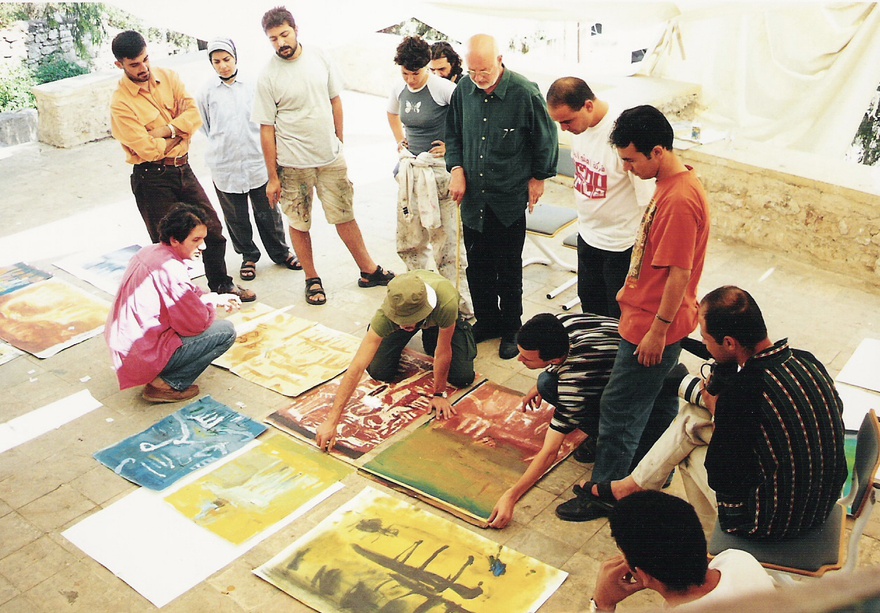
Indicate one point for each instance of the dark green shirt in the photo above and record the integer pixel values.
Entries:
(502, 140)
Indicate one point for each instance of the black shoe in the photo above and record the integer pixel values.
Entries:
(586, 451)
(507, 350)
(673, 380)
(579, 509)
(484, 333)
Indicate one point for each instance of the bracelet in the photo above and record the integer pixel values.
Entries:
(666, 321)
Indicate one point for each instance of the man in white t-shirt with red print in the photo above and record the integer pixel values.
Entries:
(610, 201)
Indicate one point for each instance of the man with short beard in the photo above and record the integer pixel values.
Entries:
(299, 112)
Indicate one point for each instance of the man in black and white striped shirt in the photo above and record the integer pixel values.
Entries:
(577, 352)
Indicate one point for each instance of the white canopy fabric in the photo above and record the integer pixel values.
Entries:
(798, 75)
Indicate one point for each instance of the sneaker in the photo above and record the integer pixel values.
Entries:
(586, 451)
(155, 394)
(579, 509)
(377, 277)
(245, 295)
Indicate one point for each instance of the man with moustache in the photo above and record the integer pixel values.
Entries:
(500, 147)
(299, 112)
(153, 118)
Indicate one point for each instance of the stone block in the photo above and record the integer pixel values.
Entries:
(18, 127)
(76, 110)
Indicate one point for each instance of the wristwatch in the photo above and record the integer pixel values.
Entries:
(440, 395)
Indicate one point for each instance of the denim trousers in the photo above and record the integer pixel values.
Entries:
(268, 221)
(634, 411)
(157, 188)
(197, 353)
(464, 351)
(601, 274)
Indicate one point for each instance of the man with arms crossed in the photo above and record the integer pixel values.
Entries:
(658, 303)
(300, 115)
(500, 146)
(153, 118)
(610, 201)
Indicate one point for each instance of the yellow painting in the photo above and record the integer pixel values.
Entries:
(378, 553)
(259, 335)
(49, 316)
(259, 489)
(303, 360)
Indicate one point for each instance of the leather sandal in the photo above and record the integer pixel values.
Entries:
(248, 271)
(292, 262)
(377, 277)
(315, 294)
(605, 500)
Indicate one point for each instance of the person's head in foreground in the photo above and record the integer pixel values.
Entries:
(130, 50)
(542, 341)
(484, 62)
(731, 323)
(643, 138)
(184, 229)
(409, 301)
(279, 25)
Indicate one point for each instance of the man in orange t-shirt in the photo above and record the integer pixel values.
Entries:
(658, 303)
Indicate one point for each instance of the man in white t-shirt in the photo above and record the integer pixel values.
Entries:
(299, 112)
(610, 201)
(663, 548)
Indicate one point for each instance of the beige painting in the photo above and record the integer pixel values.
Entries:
(49, 316)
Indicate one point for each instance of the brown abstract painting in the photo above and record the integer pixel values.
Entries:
(46, 317)
(465, 463)
(375, 412)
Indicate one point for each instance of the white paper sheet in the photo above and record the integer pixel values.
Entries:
(856, 404)
(863, 368)
(160, 553)
(39, 421)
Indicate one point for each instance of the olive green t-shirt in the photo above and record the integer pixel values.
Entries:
(445, 313)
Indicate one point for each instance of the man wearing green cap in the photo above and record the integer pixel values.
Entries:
(418, 300)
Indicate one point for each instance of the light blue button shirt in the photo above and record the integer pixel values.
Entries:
(234, 156)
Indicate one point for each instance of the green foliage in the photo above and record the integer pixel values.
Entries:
(85, 19)
(11, 12)
(56, 67)
(868, 135)
(15, 87)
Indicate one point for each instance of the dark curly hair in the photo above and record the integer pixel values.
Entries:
(276, 17)
(442, 49)
(413, 54)
(180, 221)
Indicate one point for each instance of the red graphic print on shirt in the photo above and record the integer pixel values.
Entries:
(590, 179)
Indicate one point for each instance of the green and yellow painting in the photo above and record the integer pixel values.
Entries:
(465, 463)
(378, 553)
(259, 489)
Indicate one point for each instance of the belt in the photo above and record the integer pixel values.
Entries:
(180, 160)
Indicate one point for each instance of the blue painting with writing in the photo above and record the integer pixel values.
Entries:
(195, 436)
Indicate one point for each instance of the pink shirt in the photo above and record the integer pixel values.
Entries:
(156, 305)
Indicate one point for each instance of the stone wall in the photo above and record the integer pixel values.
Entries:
(818, 211)
(43, 40)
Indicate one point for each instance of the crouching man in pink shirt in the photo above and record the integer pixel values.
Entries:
(162, 331)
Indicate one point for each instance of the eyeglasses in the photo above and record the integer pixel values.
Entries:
(482, 73)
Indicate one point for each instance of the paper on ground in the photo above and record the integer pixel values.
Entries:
(31, 425)
(861, 369)
(160, 553)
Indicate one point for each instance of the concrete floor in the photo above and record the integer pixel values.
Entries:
(58, 202)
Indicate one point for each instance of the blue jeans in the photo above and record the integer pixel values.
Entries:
(197, 353)
(634, 411)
